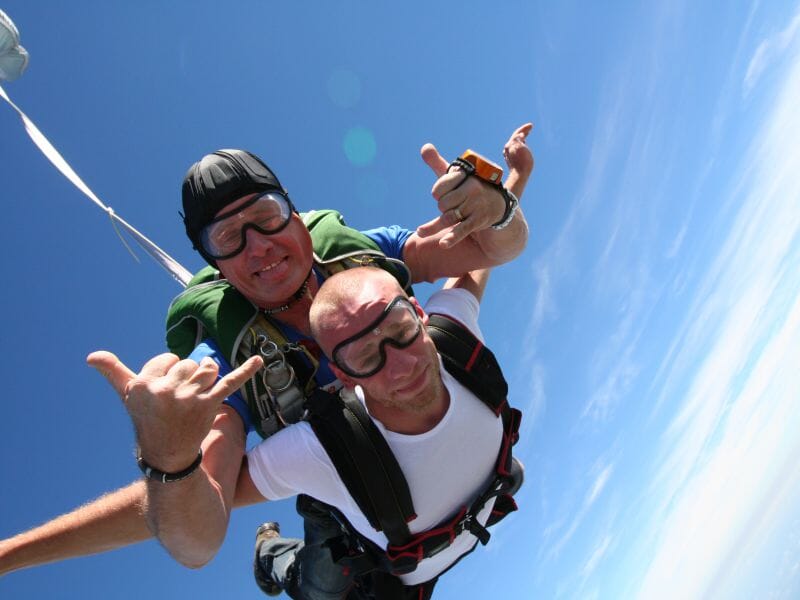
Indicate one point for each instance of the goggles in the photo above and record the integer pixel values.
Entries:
(364, 354)
(226, 235)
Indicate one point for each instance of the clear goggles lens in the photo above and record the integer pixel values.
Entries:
(364, 354)
(226, 235)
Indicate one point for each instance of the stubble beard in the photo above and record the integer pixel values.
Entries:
(430, 395)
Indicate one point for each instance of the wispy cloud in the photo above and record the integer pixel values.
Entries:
(557, 263)
(734, 365)
(769, 51)
(603, 472)
(720, 506)
(596, 556)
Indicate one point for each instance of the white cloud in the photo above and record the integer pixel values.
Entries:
(599, 482)
(769, 51)
(718, 510)
(597, 555)
(728, 447)
(557, 261)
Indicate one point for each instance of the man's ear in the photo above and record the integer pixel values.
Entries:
(420, 311)
(342, 376)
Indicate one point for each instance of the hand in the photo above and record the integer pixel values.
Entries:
(171, 402)
(472, 205)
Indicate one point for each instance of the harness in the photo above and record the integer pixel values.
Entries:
(211, 307)
(369, 470)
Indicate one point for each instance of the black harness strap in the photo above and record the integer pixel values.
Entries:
(374, 479)
(364, 462)
(469, 361)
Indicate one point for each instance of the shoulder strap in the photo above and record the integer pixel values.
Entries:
(365, 463)
(469, 361)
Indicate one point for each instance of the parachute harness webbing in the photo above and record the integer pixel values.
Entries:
(168, 263)
(365, 463)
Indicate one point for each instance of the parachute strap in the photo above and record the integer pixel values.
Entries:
(276, 393)
(401, 559)
(475, 367)
(263, 325)
(365, 463)
(472, 364)
(371, 474)
(169, 264)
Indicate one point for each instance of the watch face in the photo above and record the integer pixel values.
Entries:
(484, 168)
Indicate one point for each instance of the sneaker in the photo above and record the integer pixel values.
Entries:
(265, 531)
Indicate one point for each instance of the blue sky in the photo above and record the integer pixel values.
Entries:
(650, 330)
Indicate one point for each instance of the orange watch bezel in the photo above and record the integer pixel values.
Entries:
(484, 168)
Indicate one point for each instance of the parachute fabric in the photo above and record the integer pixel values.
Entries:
(13, 57)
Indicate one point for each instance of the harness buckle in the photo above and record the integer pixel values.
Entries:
(282, 386)
(471, 524)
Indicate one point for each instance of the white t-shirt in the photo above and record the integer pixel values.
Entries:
(446, 467)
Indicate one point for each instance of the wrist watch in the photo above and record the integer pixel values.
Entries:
(512, 204)
(481, 167)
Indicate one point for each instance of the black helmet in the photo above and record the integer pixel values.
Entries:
(217, 180)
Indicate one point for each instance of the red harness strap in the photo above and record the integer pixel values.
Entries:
(405, 558)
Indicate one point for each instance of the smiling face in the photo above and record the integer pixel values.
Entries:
(409, 380)
(270, 268)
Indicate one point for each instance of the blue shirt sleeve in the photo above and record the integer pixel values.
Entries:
(391, 240)
(208, 348)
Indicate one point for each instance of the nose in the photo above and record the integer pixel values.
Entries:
(400, 362)
(257, 243)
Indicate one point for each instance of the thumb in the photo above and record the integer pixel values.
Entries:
(434, 160)
(112, 368)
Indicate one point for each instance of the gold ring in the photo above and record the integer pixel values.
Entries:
(458, 214)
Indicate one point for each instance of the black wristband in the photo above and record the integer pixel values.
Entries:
(464, 165)
(156, 475)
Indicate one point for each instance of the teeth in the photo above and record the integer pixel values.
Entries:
(272, 266)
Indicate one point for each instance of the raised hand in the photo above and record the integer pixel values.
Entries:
(171, 402)
(472, 206)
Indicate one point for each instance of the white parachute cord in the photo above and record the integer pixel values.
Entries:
(173, 267)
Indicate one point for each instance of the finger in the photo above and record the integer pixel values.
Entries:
(518, 137)
(520, 134)
(523, 131)
(182, 372)
(434, 160)
(451, 189)
(447, 219)
(458, 233)
(236, 378)
(158, 366)
(205, 374)
(433, 226)
(112, 368)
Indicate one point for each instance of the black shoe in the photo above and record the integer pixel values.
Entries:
(265, 531)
